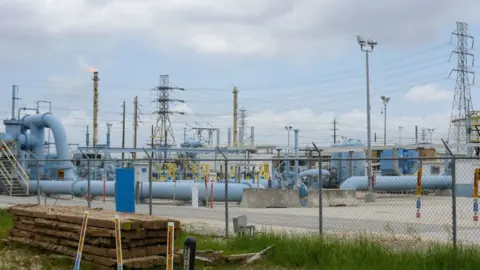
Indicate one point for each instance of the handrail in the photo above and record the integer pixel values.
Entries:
(23, 175)
(2, 170)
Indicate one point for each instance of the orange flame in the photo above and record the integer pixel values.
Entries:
(91, 69)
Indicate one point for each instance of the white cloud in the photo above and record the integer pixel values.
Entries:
(182, 107)
(261, 27)
(428, 92)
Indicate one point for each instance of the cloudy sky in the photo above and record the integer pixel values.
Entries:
(295, 62)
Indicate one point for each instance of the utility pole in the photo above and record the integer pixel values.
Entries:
(462, 100)
(335, 129)
(385, 103)
(123, 128)
(163, 127)
(367, 47)
(136, 119)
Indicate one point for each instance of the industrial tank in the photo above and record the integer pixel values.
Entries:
(342, 163)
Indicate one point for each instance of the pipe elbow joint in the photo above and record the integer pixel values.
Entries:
(27, 141)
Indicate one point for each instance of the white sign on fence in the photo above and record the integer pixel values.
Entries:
(195, 196)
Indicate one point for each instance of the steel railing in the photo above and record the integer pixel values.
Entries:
(13, 160)
(6, 175)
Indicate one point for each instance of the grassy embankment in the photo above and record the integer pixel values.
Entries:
(299, 252)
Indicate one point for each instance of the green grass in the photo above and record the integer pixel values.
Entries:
(312, 252)
(289, 252)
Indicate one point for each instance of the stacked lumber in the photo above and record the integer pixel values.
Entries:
(57, 229)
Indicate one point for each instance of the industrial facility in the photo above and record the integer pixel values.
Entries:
(26, 167)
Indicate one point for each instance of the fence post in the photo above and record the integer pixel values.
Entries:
(189, 251)
(320, 191)
(454, 204)
(38, 182)
(320, 194)
(150, 185)
(88, 184)
(226, 198)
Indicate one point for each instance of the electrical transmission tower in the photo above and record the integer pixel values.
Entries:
(163, 133)
(462, 106)
(335, 129)
(424, 135)
(242, 126)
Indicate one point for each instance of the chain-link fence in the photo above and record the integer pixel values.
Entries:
(409, 197)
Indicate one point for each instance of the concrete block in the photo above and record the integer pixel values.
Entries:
(289, 198)
(446, 193)
(369, 197)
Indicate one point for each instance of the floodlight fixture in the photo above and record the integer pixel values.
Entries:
(385, 100)
(372, 43)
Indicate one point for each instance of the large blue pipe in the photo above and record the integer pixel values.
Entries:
(314, 173)
(35, 140)
(398, 182)
(160, 190)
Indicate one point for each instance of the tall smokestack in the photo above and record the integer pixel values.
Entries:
(95, 108)
(235, 117)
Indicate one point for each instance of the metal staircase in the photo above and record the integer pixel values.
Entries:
(13, 178)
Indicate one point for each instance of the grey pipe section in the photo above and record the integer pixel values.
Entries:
(160, 190)
(397, 182)
(37, 123)
(297, 149)
(314, 173)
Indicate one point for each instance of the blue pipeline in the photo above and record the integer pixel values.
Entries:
(314, 172)
(398, 182)
(160, 190)
(35, 139)
(249, 183)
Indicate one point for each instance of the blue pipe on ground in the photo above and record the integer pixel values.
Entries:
(398, 182)
(160, 190)
(249, 183)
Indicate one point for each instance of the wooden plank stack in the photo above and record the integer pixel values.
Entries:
(57, 229)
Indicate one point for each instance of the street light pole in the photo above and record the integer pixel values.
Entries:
(367, 47)
(385, 102)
